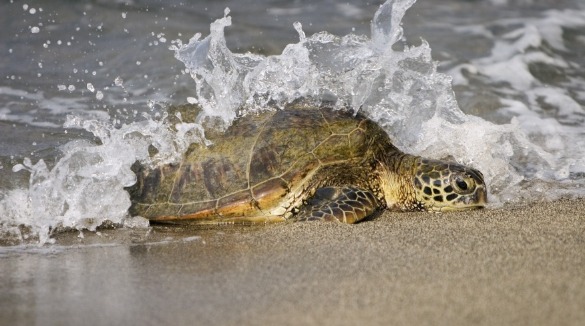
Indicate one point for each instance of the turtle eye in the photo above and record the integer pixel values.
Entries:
(463, 184)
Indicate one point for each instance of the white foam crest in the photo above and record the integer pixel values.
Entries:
(351, 71)
(521, 46)
(544, 110)
(218, 72)
(86, 185)
(226, 82)
(386, 27)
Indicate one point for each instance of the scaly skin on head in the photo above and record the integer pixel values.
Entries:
(412, 183)
(446, 186)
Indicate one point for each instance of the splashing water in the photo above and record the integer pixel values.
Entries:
(86, 186)
(394, 84)
(400, 89)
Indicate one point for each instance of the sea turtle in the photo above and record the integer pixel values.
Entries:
(300, 163)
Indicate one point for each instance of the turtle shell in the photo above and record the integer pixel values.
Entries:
(259, 168)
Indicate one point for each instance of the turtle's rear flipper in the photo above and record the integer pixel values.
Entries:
(344, 204)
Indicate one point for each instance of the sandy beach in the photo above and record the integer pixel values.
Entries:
(512, 266)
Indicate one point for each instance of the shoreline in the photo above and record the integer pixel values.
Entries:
(493, 266)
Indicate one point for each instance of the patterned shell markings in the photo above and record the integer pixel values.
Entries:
(256, 162)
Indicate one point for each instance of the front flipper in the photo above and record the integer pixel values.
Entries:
(344, 204)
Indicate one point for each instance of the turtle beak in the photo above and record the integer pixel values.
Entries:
(478, 199)
(481, 197)
(474, 201)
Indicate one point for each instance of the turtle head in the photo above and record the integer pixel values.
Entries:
(441, 186)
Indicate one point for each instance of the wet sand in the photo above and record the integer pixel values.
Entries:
(516, 266)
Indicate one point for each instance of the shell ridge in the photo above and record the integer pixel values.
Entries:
(251, 152)
(175, 180)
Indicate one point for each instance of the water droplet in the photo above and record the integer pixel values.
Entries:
(18, 167)
(99, 95)
(299, 28)
(90, 87)
(35, 29)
